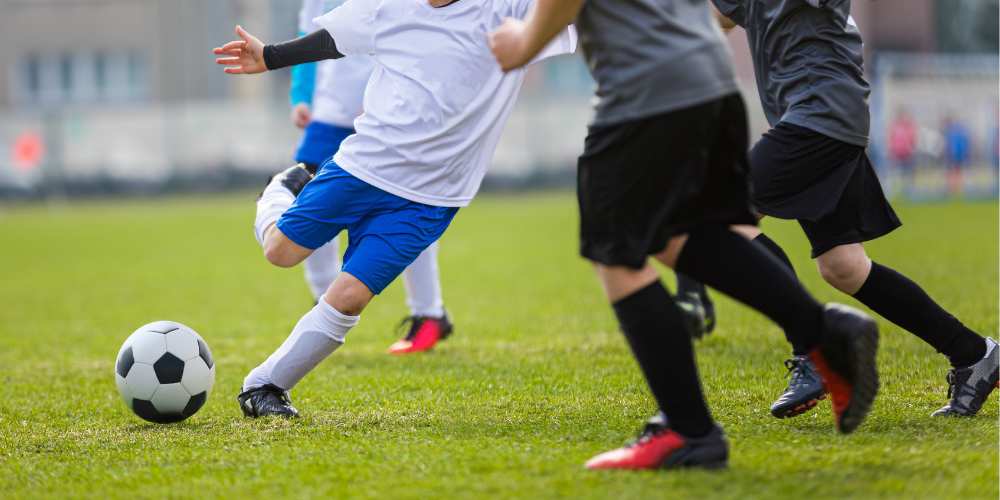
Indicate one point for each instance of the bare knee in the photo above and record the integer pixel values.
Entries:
(348, 295)
(283, 252)
(620, 282)
(845, 267)
(669, 255)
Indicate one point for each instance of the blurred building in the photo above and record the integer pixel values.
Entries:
(59, 52)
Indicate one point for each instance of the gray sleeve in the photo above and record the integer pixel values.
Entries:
(734, 10)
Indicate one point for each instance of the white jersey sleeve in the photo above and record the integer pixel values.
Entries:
(564, 43)
(352, 26)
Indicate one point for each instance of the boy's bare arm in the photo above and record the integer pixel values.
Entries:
(515, 43)
(248, 55)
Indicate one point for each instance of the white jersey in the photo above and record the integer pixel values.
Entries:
(437, 101)
(340, 83)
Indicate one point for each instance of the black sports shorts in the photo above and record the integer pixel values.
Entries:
(641, 182)
(829, 186)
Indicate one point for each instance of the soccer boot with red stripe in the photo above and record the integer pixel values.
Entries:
(969, 387)
(659, 447)
(805, 389)
(845, 359)
(425, 332)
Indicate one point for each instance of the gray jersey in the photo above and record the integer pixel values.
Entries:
(809, 62)
(653, 56)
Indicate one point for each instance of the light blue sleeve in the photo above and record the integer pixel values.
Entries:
(304, 75)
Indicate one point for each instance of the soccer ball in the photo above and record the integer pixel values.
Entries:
(164, 372)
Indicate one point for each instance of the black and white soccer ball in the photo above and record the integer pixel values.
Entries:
(164, 372)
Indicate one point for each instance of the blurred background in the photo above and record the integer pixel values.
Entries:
(103, 97)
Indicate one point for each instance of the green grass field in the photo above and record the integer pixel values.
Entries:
(536, 380)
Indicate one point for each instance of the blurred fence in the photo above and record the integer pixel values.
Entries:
(216, 144)
(220, 144)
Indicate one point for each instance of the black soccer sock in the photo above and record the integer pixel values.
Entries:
(736, 267)
(655, 331)
(898, 299)
(687, 285)
(776, 250)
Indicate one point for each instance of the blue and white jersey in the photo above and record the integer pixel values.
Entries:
(334, 88)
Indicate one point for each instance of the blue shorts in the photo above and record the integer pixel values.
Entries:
(385, 233)
(320, 142)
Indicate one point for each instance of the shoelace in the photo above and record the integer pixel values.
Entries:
(951, 383)
(414, 322)
(796, 369)
(649, 431)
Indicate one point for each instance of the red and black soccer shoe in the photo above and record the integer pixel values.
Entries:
(659, 447)
(425, 332)
(845, 359)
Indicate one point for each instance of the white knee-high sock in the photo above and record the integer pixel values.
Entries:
(322, 268)
(320, 332)
(273, 202)
(423, 285)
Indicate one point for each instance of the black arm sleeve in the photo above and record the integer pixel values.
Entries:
(313, 47)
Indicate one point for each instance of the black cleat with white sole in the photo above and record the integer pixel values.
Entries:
(266, 401)
(292, 178)
(969, 387)
(699, 312)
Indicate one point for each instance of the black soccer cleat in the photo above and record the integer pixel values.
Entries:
(696, 314)
(805, 389)
(660, 447)
(266, 401)
(293, 179)
(709, 306)
(969, 387)
(845, 359)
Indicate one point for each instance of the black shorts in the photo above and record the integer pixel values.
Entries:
(641, 182)
(829, 186)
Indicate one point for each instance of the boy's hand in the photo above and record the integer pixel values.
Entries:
(242, 57)
(301, 115)
(510, 44)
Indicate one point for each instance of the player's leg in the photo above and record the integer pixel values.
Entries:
(325, 206)
(656, 333)
(319, 333)
(387, 233)
(320, 141)
(862, 214)
(428, 321)
(322, 267)
(805, 386)
(800, 174)
(974, 359)
(632, 206)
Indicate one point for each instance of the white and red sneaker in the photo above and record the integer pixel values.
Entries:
(660, 447)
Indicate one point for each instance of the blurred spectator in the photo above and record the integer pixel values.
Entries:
(956, 151)
(903, 145)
